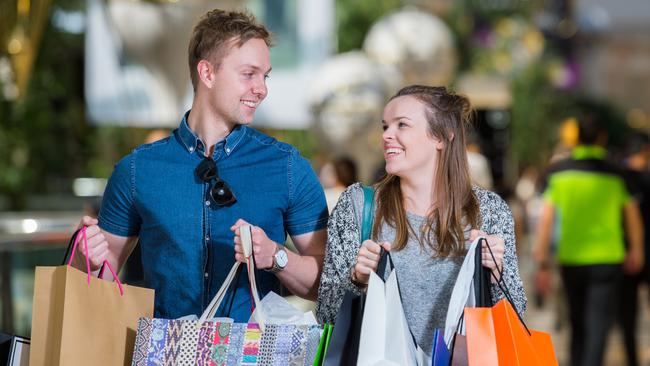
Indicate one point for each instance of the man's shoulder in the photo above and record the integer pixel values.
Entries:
(152, 147)
(269, 142)
(593, 165)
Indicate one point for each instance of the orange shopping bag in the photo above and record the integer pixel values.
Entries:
(497, 336)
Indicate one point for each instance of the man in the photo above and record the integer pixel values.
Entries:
(184, 197)
(589, 200)
(636, 162)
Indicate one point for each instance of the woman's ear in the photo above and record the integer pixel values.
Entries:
(441, 144)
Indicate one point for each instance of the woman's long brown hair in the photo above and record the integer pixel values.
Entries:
(455, 204)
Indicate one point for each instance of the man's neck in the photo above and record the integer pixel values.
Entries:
(208, 126)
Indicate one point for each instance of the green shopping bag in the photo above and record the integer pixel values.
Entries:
(322, 346)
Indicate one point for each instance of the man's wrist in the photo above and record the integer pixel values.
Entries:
(279, 260)
(544, 265)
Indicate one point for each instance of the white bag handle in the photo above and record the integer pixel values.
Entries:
(462, 295)
(247, 244)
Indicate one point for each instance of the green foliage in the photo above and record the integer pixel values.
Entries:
(45, 140)
(536, 114)
(538, 109)
(354, 18)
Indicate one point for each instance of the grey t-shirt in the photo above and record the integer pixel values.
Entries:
(425, 282)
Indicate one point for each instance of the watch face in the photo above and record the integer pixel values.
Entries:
(281, 258)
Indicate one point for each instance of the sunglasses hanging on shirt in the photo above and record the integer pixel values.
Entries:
(220, 193)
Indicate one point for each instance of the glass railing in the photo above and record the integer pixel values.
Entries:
(27, 240)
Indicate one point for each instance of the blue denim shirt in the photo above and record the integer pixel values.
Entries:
(186, 243)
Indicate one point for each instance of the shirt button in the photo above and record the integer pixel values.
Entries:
(191, 149)
(207, 203)
(207, 238)
(228, 150)
(205, 275)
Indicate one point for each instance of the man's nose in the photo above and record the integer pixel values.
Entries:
(260, 88)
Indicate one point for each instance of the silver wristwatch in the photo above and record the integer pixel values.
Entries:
(280, 260)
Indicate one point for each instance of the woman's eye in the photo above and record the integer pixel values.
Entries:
(402, 124)
(384, 127)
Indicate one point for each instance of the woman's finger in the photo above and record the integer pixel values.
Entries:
(368, 263)
(371, 246)
(365, 253)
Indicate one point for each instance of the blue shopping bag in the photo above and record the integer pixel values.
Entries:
(439, 353)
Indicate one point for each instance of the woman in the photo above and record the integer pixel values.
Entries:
(427, 214)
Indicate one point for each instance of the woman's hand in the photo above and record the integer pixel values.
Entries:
(367, 261)
(498, 248)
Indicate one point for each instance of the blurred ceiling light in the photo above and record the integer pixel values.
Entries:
(348, 93)
(88, 187)
(17, 41)
(637, 118)
(418, 43)
(29, 226)
(22, 45)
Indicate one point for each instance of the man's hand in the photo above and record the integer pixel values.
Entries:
(367, 260)
(633, 262)
(263, 248)
(498, 248)
(97, 246)
(543, 282)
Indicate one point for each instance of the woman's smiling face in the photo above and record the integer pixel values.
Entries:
(409, 147)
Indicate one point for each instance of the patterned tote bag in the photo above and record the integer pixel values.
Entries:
(216, 342)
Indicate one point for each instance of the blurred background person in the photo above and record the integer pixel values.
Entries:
(636, 162)
(479, 165)
(336, 176)
(588, 199)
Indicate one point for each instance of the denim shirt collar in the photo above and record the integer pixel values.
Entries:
(192, 142)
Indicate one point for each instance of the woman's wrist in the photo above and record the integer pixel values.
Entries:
(355, 280)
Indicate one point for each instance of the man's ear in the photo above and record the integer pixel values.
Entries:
(205, 71)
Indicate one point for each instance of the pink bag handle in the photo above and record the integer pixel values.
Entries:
(110, 268)
(81, 233)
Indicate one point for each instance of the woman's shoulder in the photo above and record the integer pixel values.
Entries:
(487, 198)
(490, 203)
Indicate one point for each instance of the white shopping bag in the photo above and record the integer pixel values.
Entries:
(462, 295)
(385, 335)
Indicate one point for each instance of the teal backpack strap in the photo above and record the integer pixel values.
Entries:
(368, 212)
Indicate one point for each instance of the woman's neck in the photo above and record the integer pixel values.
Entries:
(418, 196)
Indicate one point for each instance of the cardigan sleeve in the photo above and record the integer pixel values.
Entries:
(497, 220)
(340, 256)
